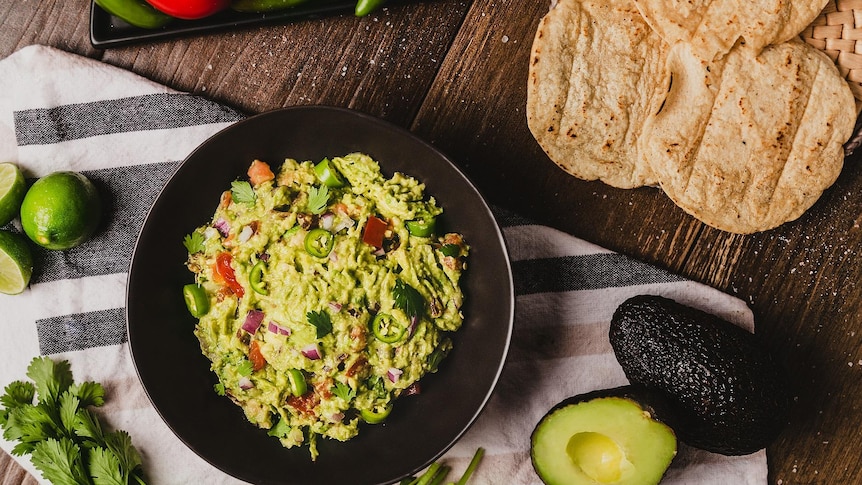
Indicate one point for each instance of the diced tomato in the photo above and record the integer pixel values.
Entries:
(303, 404)
(375, 229)
(358, 366)
(324, 388)
(259, 172)
(257, 359)
(224, 269)
(226, 199)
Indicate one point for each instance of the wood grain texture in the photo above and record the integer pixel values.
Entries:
(455, 72)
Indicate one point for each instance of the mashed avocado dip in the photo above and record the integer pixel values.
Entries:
(323, 293)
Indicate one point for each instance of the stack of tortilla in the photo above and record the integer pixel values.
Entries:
(716, 101)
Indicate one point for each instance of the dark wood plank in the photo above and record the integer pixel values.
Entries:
(58, 23)
(381, 64)
(12, 474)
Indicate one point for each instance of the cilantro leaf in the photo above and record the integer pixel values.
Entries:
(245, 368)
(408, 299)
(18, 393)
(219, 387)
(51, 379)
(194, 242)
(105, 467)
(120, 444)
(317, 199)
(60, 462)
(88, 426)
(321, 321)
(69, 411)
(29, 425)
(343, 391)
(90, 393)
(242, 193)
(280, 430)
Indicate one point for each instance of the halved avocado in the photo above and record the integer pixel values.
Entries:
(612, 436)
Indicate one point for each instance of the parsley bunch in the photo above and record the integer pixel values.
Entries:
(50, 420)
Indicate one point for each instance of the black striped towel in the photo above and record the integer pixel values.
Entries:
(59, 111)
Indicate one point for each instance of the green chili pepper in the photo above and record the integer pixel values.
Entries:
(319, 242)
(450, 250)
(197, 300)
(386, 329)
(376, 414)
(135, 12)
(365, 7)
(328, 174)
(424, 226)
(263, 5)
(255, 278)
(296, 382)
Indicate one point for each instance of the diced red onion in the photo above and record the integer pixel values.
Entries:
(333, 256)
(336, 417)
(222, 226)
(252, 321)
(264, 257)
(326, 220)
(312, 351)
(379, 252)
(393, 374)
(246, 234)
(277, 329)
(245, 383)
(335, 306)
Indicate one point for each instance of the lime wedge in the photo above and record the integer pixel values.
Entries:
(12, 190)
(16, 263)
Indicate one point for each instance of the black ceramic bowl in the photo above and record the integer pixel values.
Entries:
(177, 376)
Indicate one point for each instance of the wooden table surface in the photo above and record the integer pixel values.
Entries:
(454, 72)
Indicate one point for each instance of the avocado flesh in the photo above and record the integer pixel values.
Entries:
(607, 439)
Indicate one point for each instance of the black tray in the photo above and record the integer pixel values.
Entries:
(109, 31)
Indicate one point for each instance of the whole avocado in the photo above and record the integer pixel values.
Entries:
(728, 395)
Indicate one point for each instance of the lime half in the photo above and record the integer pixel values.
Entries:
(61, 210)
(16, 263)
(12, 190)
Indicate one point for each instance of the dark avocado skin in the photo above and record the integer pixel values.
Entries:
(726, 394)
(653, 402)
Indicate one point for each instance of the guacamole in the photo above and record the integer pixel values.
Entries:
(323, 292)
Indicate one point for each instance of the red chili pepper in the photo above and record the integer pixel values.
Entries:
(225, 270)
(189, 9)
(375, 229)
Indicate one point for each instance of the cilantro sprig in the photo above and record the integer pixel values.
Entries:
(317, 199)
(408, 299)
(320, 321)
(194, 242)
(242, 193)
(343, 391)
(50, 418)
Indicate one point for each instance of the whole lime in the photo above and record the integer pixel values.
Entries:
(12, 190)
(61, 210)
(16, 263)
